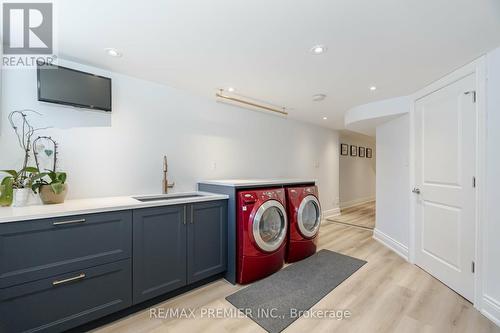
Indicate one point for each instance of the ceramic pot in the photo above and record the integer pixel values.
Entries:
(49, 197)
(21, 196)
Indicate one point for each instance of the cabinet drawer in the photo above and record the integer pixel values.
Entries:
(33, 250)
(65, 301)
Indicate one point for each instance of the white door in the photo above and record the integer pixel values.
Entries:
(445, 123)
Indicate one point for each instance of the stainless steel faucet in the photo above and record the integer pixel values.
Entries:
(165, 183)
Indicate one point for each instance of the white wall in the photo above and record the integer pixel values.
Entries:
(365, 118)
(393, 182)
(491, 246)
(357, 174)
(121, 153)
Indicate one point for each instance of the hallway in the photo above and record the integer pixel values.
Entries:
(362, 216)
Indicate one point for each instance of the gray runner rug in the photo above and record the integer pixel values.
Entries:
(274, 302)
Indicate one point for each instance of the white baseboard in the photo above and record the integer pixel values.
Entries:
(331, 213)
(491, 309)
(352, 203)
(391, 243)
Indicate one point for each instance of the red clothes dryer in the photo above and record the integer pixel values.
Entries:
(304, 214)
(261, 233)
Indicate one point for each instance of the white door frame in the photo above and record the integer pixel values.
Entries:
(477, 67)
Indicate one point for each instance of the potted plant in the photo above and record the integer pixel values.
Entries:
(51, 186)
(17, 186)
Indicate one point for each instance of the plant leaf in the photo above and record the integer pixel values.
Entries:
(61, 176)
(31, 169)
(13, 173)
(8, 180)
(39, 175)
(53, 176)
(36, 187)
(58, 188)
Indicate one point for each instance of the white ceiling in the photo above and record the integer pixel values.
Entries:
(261, 47)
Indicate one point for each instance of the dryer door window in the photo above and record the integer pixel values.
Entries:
(269, 226)
(309, 216)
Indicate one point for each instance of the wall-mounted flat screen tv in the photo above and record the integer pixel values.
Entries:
(61, 85)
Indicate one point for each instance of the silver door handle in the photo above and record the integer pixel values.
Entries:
(69, 222)
(75, 278)
(416, 190)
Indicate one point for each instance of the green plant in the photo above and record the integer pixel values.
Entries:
(23, 178)
(56, 181)
(6, 192)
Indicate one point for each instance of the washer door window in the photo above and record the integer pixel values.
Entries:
(309, 216)
(269, 226)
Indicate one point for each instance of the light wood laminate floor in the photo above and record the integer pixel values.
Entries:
(360, 215)
(385, 295)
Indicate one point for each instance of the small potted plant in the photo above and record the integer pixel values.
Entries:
(51, 186)
(17, 186)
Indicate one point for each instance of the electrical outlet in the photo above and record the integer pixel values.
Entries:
(316, 164)
(213, 166)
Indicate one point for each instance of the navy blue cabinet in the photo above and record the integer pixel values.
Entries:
(37, 249)
(159, 258)
(64, 301)
(56, 274)
(177, 245)
(207, 240)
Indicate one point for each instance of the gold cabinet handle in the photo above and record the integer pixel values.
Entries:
(74, 278)
(69, 222)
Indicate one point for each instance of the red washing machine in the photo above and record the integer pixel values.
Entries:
(262, 232)
(304, 214)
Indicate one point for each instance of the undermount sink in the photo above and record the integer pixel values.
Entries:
(163, 197)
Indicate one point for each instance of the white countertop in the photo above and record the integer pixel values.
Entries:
(96, 205)
(256, 182)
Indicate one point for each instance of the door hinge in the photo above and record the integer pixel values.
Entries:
(473, 92)
(474, 182)
(473, 267)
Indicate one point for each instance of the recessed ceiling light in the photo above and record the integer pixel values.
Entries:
(113, 52)
(318, 97)
(325, 118)
(230, 89)
(373, 88)
(318, 49)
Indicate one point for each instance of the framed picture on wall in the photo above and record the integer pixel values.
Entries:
(361, 152)
(368, 153)
(354, 150)
(344, 149)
